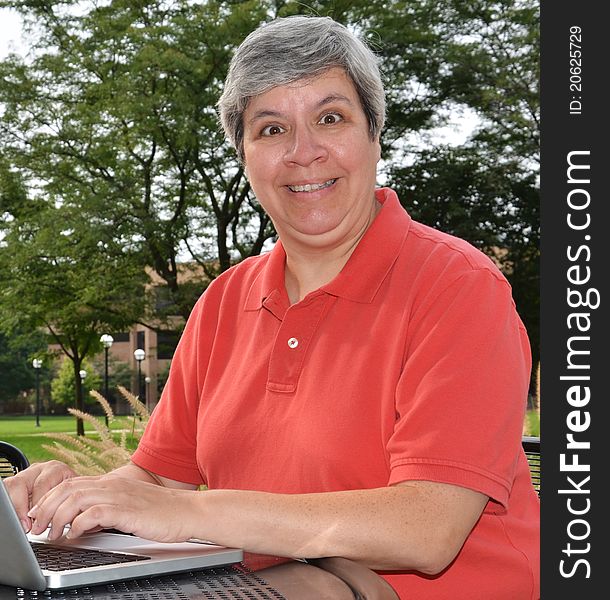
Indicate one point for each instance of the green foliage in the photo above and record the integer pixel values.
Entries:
(16, 353)
(63, 386)
(61, 276)
(111, 158)
(127, 137)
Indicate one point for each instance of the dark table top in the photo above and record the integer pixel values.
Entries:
(222, 583)
(321, 579)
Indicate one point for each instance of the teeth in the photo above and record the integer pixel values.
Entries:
(311, 187)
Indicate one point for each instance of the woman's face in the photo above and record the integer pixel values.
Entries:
(311, 161)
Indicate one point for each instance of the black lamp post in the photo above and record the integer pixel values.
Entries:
(37, 364)
(147, 381)
(107, 341)
(139, 355)
(82, 374)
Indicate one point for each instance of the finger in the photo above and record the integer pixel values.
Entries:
(17, 488)
(57, 491)
(99, 516)
(61, 505)
(47, 506)
(48, 475)
(27, 485)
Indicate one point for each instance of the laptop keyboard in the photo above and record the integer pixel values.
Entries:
(58, 558)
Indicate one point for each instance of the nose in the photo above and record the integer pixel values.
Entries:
(304, 147)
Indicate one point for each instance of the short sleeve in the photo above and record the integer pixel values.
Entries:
(169, 444)
(462, 394)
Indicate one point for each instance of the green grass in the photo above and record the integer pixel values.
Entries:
(23, 433)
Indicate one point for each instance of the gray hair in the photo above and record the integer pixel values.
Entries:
(292, 48)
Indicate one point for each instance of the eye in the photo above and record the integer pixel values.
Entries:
(330, 119)
(271, 130)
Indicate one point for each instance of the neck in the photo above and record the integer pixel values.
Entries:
(308, 269)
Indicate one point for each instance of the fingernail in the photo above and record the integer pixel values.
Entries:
(25, 525)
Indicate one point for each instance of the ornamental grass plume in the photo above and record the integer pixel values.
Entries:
(93, 456)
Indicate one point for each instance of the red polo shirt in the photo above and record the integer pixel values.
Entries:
(411, 364)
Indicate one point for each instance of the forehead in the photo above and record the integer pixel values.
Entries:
(306, 93)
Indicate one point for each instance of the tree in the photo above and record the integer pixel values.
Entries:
(63, 385)
(16, 355)
(121, 166)
(67, 278)
(113, 116)
(116, 113)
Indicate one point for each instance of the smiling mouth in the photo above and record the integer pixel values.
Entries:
(311, 187)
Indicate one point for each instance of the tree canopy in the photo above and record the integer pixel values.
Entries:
(113, 165)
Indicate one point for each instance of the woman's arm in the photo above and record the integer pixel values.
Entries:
(415, 525)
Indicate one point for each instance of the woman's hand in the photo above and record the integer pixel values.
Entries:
(27, 487)
(90, 503)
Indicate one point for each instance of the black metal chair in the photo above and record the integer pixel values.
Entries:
(12, 460)
(531, 446)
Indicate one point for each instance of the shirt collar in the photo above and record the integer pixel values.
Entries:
(376, 252)
(268, 286)
(363, 273)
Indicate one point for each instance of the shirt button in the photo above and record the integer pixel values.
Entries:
(293, 343)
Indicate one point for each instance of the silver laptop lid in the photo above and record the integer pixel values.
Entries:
(18, 565)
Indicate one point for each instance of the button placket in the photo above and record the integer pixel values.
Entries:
(298, 328)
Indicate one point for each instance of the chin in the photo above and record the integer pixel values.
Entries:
(320, 232)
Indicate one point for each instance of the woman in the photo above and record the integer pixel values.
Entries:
(357, 392)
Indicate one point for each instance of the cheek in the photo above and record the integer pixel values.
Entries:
(252, 168)
(260, 177)
(358, 153)
(260, 164)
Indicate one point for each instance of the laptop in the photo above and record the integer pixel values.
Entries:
(94, 558)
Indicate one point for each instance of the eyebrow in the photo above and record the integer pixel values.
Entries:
(263, 114)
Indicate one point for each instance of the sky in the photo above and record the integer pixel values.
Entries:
(10, 32)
